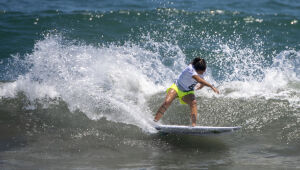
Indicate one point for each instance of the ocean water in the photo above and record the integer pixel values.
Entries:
(80, 82)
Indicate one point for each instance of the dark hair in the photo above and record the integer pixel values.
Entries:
(199, 64)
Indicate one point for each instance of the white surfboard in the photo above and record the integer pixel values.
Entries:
(196, 130)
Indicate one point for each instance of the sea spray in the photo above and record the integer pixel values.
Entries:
(115, 81)
(111, 81)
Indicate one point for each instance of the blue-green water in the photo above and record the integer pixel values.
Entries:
(80, 82)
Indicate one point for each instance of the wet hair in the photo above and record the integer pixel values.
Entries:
(199, 64)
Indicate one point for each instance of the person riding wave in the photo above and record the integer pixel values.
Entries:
(184, 87)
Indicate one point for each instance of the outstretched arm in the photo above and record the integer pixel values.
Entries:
(205, 83)
(199, 86)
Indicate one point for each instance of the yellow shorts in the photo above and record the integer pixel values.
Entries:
(180, 93)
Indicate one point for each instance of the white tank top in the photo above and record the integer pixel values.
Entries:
(185, 81)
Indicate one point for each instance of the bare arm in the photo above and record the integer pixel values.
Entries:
(200, 86)
(205, 83)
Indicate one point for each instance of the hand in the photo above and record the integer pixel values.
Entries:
(215, 90)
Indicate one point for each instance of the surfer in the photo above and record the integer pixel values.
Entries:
(184, 87)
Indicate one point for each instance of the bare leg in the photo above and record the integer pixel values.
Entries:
(191, 101)
(172, 94)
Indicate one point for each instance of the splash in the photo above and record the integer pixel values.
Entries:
(114, 81)
(106, 81)
(248, 74)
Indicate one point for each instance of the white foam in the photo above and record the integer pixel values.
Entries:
(275, 82)
(111, 81)
(114, 81)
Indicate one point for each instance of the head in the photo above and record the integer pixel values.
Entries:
(199, 65)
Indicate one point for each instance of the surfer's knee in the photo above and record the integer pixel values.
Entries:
(193, 103)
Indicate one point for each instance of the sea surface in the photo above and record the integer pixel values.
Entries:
(80, 82)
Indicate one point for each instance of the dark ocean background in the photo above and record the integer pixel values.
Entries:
(80, 82)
